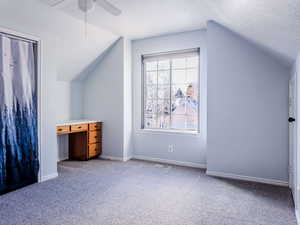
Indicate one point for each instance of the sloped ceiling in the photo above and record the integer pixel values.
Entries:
(75, 50)
(272, 24)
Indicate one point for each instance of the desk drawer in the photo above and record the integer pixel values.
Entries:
(95, 126)
(79, 127)
(94, 136)
(62, 129)
(94, 150)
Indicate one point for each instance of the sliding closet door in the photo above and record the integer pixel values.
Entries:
(19, 161)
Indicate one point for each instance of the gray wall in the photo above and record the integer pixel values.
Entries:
(24, 21)
(247, 108)
(103, 98)
(296, 70)
(69, 101)
(190, 149)
(128, 107)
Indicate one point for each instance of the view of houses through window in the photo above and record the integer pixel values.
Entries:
(171, 91)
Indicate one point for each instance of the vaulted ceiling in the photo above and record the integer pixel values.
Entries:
(272, 24)
(74, 51)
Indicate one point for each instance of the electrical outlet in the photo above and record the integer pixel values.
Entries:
(171, 148)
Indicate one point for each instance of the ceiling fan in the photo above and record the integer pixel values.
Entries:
(88, 5)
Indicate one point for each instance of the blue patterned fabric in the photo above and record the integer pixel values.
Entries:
(19, 161)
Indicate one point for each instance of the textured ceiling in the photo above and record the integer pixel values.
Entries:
(272, 24)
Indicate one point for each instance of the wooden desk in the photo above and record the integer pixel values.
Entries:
(85, 138)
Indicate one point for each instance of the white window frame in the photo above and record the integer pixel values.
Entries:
(168, 55)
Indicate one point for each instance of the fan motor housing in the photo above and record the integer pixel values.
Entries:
(86, 5)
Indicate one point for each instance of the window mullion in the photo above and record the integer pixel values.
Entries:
(157, 114)
(144, 83)
(170, 94)
(186, 98)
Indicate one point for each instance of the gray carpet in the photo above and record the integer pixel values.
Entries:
(102, 192)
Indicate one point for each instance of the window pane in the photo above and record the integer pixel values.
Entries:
(163, 107)
(178, 76)
(151, 92)
(178, 122)
(192, 62)
(179, 63)
(151, 77)
(193, 91)
(164, 65)
(164, 77)
(184, 122)
(191, 107)
(179, 107)
(163, 122)
(184, 107)
(192, 122)
(191, 75)
(150, 121)
(164, 91)
(150, 106)
(163, 113)
(150, 66)
(179, 91)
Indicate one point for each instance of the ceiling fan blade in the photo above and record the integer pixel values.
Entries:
(57, 3)
(109, 7)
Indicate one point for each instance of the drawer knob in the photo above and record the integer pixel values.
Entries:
(60, 129)
(79, 127)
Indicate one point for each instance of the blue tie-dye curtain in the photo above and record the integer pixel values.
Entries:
(19, 161)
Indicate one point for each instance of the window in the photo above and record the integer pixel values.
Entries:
(171, 91)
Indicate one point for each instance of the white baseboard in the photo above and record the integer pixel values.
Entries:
(63, 159)
(125, 159)
(248, 178)
(49, 177)
(172, 162)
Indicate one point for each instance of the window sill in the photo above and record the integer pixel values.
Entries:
(168, 132)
